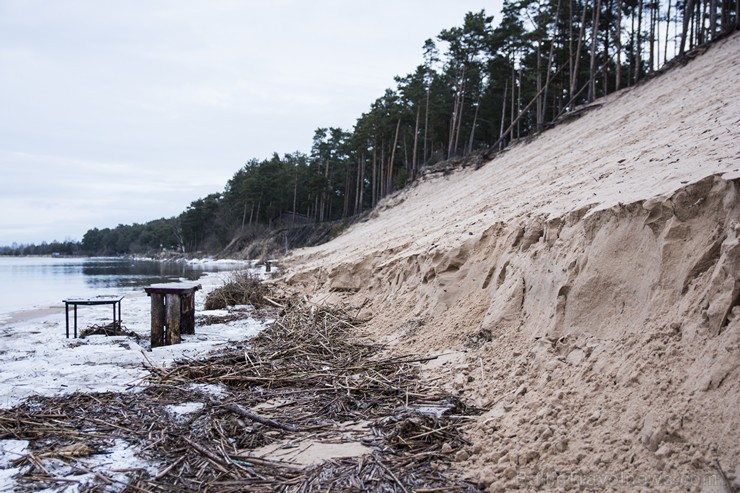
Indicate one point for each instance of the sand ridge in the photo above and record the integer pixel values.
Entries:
(589, 281)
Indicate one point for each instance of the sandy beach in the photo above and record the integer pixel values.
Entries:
(580, 290)
(586, 281)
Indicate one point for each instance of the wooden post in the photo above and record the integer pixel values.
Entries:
(173, 306)
(187, 313)
(66, 313)
(158, 318)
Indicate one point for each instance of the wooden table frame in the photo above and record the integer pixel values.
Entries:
(90, 301)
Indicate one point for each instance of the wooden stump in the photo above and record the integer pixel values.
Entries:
(187, 314)
(158, 320)
(173, 311)
(173, 305)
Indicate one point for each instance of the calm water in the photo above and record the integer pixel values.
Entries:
(40, 282)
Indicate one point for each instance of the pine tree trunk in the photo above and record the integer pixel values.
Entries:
(675, 29)
(538, 107)
(374, 184)
(393, 157)
(295, 194)
(347, 185)
(406, 162)
(633, 42)
(656, 41)
(503, 117)
(570, 46)
(638, 54)
(699, 24)
(357, 186)
(549, 62)
(605, 65)
(513, 91)
(416, 142)
(592, 65)
(519, 105)
(549, 68)
(475, 122)
(618, 40)
(361, 185)
(689, 16)
(460, 107)
(426, 127)
(651, 64)
(574, 75)
(453, 121)
(381, 166)
(667, 25)
(326, 198)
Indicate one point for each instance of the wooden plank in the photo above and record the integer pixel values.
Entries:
(173, 306)
(158, 320)
(187, 314)
(93, 300)
(173, 288)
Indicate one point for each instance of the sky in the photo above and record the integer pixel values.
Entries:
(118, 112)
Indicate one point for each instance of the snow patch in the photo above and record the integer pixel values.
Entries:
(36, 358)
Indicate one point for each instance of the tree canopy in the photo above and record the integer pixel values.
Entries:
(480, 86)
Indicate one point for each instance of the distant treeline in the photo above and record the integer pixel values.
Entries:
(478, 88)
(55, 247)
(143, 239)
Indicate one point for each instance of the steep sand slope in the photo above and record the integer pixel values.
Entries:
(587, 284)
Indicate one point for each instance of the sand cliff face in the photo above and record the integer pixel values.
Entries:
(584, 288)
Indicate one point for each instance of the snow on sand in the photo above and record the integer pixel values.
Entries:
(36, 358)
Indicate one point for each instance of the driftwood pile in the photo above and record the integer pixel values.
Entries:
(111, 329)
(305, 380)
(241, 288)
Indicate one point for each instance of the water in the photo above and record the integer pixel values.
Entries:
(41, 282)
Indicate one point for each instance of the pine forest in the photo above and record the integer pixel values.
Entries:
(480, 86)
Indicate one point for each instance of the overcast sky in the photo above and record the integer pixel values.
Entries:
(126, 111)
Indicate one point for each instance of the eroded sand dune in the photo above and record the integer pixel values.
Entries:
(587, 284)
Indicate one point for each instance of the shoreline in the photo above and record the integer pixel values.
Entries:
(36, 313)
(50, 305)
(36, 357)
(22, 316)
